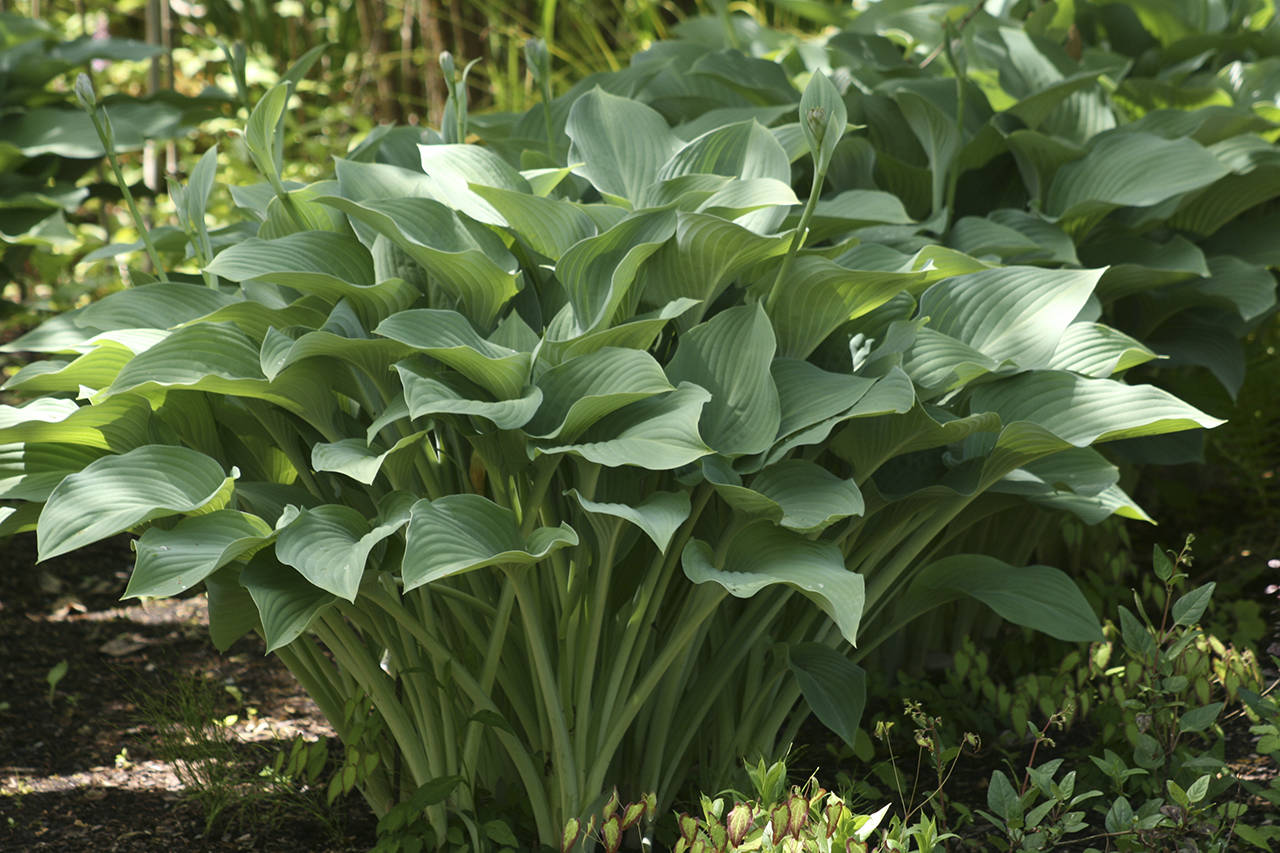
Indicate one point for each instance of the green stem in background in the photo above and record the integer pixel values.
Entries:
(953, 176)
(102, 124)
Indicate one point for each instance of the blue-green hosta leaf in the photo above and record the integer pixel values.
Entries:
(447, 337)
(454, 168)
(761, 555)
(1013, 313)
(374, 356)
(255, 319)
(659, 515)
(29, 472)
(287, 602)
(743, 150)
(939, 363)
(460, 533)
(658, 433)
(821, 295)
(977, 236)
(1055, 245)
(1081, 411)
(937, 134)
(470, 262)
(1128, 170)
(892, 394)
(118, 424)
(1039, 597)
(737, 200)
(215, 357)
(264, 132)
(598, 272)
(232, 612)
(1092, 349)
(362, 182)
(620, 143)
(638, 333)
(115, 493)
(795, 494)
(162, 305)
(707, 254)
(730, 356)
(834, 686)
(93, 370)
(429, 392)
(579, 392)
(549, 226)
(356, 459)
(868, 443)
(1248, 289)
(855, 209)
(329, 545)
(333, 266)
(823, 118)
(174, 560)
(808, 394)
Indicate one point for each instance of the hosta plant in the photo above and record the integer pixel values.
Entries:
(588, 467)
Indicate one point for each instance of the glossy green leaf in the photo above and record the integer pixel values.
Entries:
(461, 533)
(659, 515)
(114, 493)
(730, 356)
(447, 337)
(1039, 597)
(658, 433)
(761, 555)
(287, 602)
(579, 392)
(173, 560)
(834, 686)
(620, 143)
(329, 545)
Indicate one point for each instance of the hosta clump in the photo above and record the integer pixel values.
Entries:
(553, 477)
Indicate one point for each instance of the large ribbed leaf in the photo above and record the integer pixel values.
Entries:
(834, 686)
(639, 333)
(356, 459)
(938, 135)
(582, 390)
(161, 305)
(1092, 349)
(598, 272)
(658, 433)
(795, 494)
(707, 254)
(466, 260)
(455, 167)
(1039, 597)
(620, 143)
(447, 337)
(1013, 313)
(428, 392)
(549, 226)
(1082, 411)
(117, 424)
(173, 560)
(287, 602)
(115, 493)
(329, 545)
(460, 533)
(330, 265)
(1129, 170)
(29, 472)
(93, 370)
(761, 555)
(659, 515)
(819, 295)
(730, 356)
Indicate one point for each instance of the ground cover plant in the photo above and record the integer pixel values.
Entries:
(581, 448)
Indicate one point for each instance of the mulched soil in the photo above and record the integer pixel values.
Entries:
(81, 766)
